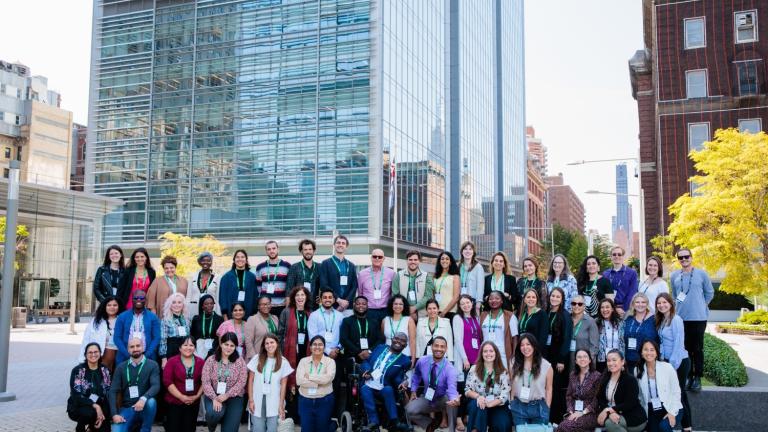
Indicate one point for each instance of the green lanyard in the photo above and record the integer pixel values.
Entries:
(180, 320)
(138, 374)
(488, 385)
(270, 324)
(272, 277)
(319, 367)
(437, 325)
(389, 363)
(336, 262)
(412, 281)
(552, 320)
(226, 372)
(333, 320)
(592, 289)
(190, 370)
(266, 363)
(577, 328)
(171, 283)
(304, 272)
(440, 283)
(433, 381)
(392, 327)
(464, 273)
(210, 327)
(240, 280)
(381, 279)
(298, 321)
(492, 321)
(497, 286)
(526, 318)
(527, 286)
(359, 329)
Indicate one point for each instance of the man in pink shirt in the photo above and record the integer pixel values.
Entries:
(375, 284)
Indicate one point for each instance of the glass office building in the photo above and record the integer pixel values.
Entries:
(258, 119)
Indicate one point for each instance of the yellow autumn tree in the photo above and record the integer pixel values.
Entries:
(186, 250)
(725, 222)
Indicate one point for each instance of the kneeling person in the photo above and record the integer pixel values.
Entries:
(138, 380)
(438, 376)
(384, 371)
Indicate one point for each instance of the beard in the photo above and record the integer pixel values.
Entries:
(137, 354)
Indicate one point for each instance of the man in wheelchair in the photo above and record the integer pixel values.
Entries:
(384, 371)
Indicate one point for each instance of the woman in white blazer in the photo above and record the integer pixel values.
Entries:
(204, 281)
(660, 389)
(427, 329)
(101, 330)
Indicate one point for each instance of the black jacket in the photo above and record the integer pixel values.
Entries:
(627, 398)
(537, 325)
(510, 288)
(561, 329)
(102, 283)
(213, 322)
(523, 285)
(349, 335)
(126, 283)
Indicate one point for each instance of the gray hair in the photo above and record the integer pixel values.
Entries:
(203, 255)
(401, 335)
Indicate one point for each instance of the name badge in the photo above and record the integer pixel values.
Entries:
(374, 384)
(438, 296)
(328, 337)
(300, 338)
(364, 343)
(342, 280)
(490, 398)
(312, 391)
(138, 335)
(573, 345)
(133, 392)
(377, 294)
(270, 288)
(221, 388)
(376, 375)
(94, 397)
(429, 394)
(578, 405)
(308, 285)
(189, 385)
(587, 301)
(525, 394)
(632, 343)
(114, 292)
(681, 296)
(656, 403)
(412, 296)
(181, 330)
(549, 339)
(241, 296)
(266, 388)
(208, 344)
(474, 343)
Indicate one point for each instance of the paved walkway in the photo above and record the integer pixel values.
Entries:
(753, 351)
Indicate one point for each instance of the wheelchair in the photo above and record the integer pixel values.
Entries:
(354, 418)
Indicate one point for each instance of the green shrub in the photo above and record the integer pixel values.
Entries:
(756, 317)
(722, 364)
(760, 328)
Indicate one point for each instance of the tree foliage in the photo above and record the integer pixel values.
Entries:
(22, 234)
(574, 246)
(725, 223)
(186, 250)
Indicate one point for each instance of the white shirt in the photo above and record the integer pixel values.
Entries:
(268, 377)
(322, 322)
(652, 290)
(493, 330)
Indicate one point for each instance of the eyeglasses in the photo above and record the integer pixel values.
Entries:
(139, 298)
(577, 304)
(617, 254)
(683, 257)
(377, 256)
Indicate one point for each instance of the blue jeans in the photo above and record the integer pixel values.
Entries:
(533, 412)
(478, 419)
(316, 414)
(658, 421)
(145, 417)
(369, 401)
(229, 416)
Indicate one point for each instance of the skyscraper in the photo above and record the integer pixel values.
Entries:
(257, 119)
(622, 222)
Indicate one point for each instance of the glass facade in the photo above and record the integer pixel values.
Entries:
(255, 119)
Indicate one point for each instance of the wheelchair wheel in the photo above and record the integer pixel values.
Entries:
(345, 422)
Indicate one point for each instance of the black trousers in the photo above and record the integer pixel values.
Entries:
(181, 418)
(694, 344)
(85, 415)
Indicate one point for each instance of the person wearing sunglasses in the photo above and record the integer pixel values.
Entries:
(137, 322)
(375, 284)
(584, 334)
(623, 280)
(692, 290)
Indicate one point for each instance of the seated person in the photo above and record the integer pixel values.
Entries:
(383, 372)
(138, 381)
(438, 376)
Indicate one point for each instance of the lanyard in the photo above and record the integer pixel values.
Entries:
(179, 320)
(492, 322)
(226, 372)
(613, 334)
(171, 283)
(266, 365)
(433, 330)
(190, 370)
(473, 325)
(204, 288)
(440, 283)
(333, 320)
(273, 276)
(387, 364)
(527, 286)
(412, 281)
(577, 328)
(319, 367)
(298, 321)
(240, 280)
(655, 392)
(553, 315)
(530, 378)
(592, 288)
(240, 339)
(392, 329)
(270, 324)
(138, 374)
(488, 384)
(434, 380)
(620, 272)
(359, 330)
(633, 326)
(497, 286)
(463, 274)
(337, 263)
(381, 279)
(690, 279)
(647, 284)
(526, 318)
(210, 327)
(304, 272)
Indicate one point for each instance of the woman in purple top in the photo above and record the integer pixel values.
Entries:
(467, 337)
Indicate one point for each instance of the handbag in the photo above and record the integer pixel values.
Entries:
(534, 428)
(285, 425)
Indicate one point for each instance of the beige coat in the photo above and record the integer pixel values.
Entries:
(255, 330)
(159, 292)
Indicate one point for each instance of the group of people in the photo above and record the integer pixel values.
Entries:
(456, 348)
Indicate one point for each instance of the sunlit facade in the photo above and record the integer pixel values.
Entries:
(258, 119)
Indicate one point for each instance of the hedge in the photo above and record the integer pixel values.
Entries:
(756, 317)
(748, 329)
(722, 364)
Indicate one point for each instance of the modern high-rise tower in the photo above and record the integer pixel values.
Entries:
(257, 119)
(622, 222)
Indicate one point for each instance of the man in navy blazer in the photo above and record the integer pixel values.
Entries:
(139, 323)
(384, 371)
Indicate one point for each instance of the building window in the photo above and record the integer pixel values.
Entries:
(695, 33)
(745, 25)
(696, 83)
(748, 84)
(751, 125)
(18, 153)
(6, 173)
(7, 152)
(2, 88)
(698, 133)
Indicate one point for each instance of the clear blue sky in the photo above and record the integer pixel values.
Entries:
(577, 83)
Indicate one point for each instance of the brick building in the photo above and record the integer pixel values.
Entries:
(563, 206)
(537, 189)
(702, 69)
(77, 176)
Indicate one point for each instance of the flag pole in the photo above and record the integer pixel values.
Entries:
(393, 173)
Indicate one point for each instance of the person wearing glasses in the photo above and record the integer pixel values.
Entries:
(559, 276)
(89, 382)
(692, 290)
(623, 280)
(375, 284)
(139, 323)
(584, 334)
(314, 376)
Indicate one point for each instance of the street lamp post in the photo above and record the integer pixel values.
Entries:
(9, 273)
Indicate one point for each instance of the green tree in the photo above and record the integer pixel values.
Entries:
(572, 244)
(725, 223)
(601, 248)
(22, 234)
(186, 250)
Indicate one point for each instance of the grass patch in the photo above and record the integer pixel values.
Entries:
(722, 365)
